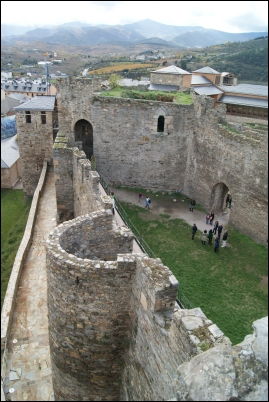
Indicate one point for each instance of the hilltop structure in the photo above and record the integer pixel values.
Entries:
(116, 331)
(146, 144)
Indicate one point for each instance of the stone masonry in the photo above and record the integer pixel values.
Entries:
(197, 152)
(35, 144)
(116, 331)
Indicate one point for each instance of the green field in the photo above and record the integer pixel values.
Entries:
(14, 215)
(229, 286)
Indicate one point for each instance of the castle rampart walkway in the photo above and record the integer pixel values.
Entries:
(28, 360)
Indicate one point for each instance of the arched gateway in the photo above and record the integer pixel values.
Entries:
(218, 196)
(84, 137)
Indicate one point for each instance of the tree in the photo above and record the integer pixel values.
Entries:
(183, 64)
(114, 80)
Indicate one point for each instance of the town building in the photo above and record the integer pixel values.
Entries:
(11, 170)
(28, 87)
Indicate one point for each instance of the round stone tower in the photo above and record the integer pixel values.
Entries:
(90, 272)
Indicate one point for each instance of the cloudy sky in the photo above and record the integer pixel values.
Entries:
(229, 16)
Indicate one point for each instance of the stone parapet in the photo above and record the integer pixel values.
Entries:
(10, 296)
(77, 185)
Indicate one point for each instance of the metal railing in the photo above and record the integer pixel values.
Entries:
(181, 299)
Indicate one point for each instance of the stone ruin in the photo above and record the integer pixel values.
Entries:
(116, 330)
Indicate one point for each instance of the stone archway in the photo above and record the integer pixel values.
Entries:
(218, 196)
(84, 137)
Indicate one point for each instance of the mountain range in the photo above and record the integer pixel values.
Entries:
(145, 31)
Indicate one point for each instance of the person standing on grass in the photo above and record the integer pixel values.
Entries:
(147, 202)
(194, 230)
(224, 238)
(140, 196)
(220, 227)
(216, 246)
(204, 237)
(210, 237)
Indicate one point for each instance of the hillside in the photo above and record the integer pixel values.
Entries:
(209, 37)
(248, 61)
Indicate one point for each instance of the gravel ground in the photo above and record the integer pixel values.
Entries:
(178, 209)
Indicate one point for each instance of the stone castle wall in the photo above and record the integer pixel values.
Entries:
(116, 333)
(167, 79)
(75, 181)
(196, 152)
(237, 159)
(89, 285)
(35, 142)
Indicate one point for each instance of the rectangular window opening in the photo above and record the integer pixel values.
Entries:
(43, 117)
(160, 126)
(28, 117)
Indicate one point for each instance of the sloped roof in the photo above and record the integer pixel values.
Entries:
(246, 89)
(9, 152)
(162, 87)
(21, 97)
(244, 101)
(199, 79)
(171, 70)
(207, 90)
(7, 104)
(45, 103)
(24, 86)
(206, 70)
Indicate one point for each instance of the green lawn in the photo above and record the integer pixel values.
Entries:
(14, 215)
(229, 287)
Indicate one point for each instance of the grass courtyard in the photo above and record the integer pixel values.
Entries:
(230, 287)
(183, 98)
(14, 215)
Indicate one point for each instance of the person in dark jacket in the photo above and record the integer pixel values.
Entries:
(192, 203)
(211, 219)
(216, 227)
(210, 236)
(194, 230)
(224, 238)
(216, 246)
(220, 229)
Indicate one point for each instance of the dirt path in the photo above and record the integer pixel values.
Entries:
(179, 209)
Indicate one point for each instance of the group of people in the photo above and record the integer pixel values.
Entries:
(209, 236)
(209, 219)
(217, 228)
(147, 202)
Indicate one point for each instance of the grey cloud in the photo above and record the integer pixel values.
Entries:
(249, 23)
